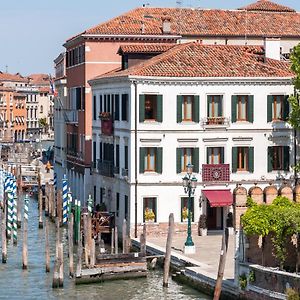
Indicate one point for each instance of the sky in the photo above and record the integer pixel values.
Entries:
(32, 32)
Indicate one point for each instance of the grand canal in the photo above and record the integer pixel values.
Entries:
(34, 283)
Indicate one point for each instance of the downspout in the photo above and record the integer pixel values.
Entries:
(295, 145)
(135, 159)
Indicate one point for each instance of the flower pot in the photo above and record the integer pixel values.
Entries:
(203, 231)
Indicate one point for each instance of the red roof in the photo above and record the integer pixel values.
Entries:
(264, 18)
(197, 60)
(266, 5)
(39, 79)
(145, 48)
(12, 77)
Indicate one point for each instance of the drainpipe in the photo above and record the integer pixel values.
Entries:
(135, 159)
(295, 145)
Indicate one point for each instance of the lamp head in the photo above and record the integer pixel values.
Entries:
(194, 182)
(185, 181)
(189, 168)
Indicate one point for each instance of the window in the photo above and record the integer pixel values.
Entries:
(215, 155)
(187, 108)
(101, 104)
(215, 106)
(95, 194)
(185, 208)
(242, 159)
(151, 160)
(94, 108)
(187, 156)
(117, 204)
(102, 195)
(118, 156)
(117, 108)
(126, 207)
(278, 158)
(150, 108)
(126, 157)
(149, 209)
(125, 107)
(242, 108)
(278, 108)
(94, 154)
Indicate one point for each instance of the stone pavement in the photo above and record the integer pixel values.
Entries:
(207, 252)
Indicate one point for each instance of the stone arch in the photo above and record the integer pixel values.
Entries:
(286, 191)
(240, 196)
(256, 193)
(270, 193)
(297, 193)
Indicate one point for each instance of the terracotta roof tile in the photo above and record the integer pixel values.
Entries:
(202, 22)
(145, 48)
(39, 79)
(12, 77)
(266, 5)
(196, 60)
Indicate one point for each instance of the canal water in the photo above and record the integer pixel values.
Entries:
(34, 283)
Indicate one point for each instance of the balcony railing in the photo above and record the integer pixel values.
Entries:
(215, 121)
(106, 168)
(71, 116)
(219, 172)
(125, 172)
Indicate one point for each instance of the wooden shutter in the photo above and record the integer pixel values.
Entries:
(195, 159)
(178, 160)
(234, 159)
(158, 160)
(220, 108)
(195, 108)
(250, 109)
(286, 108)
(142, 159)
(251, 159)
(142, 108)
(159, 103)
(269, 108)
(270, 158)
(286, 158)
(233, 108)
(179, 108)
(222, 155)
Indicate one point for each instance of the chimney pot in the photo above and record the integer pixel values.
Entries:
(272, 48)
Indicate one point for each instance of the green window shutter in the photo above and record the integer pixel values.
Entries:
(233, 108)
(195, 159)
(178, 160)
(158, 160)
(179, 108)
(222, 155)
(250, 105)
(142, 159)
(269, 111)
(270, 158)
(142, 108)
(159, 116)
(234, 159)
(207, 155)
(251, 159)
(286, 158)
(196, 109)
(286, 108)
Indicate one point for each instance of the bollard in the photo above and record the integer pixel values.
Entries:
(124, 235)
(112, 245)
(79, 256)
(61, 265)
(116, 240)
(59, 206)
(168, 251)
(85, 233)
(14, 218)
(92, 256)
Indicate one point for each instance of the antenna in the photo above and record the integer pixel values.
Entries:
(6, 68)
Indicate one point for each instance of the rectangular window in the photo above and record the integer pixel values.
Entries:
(149, 209)
(150, 107)
(101, 195)
(94, 154)
(94, 108)
(186, 158)
(78, 98)
(105, 103)
(117, 204)
(150, 157)
(125, 107)
(185, 209)
(215, 155)
(277, 107)
(243, 156)
(95, 194)
(117, 107)
(126, 157)
(242, 103)
(126, 207)
(151, 160)
(215, 106)
(187, 108)
(118, 156)
(101, 104)
(278, 158)
(108, 103)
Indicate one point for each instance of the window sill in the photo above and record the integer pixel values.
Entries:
(188, 123)
(242, 122)
(150, 173)
(242, 172)
(151, 122)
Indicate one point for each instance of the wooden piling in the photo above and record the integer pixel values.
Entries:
(3, 229)
(19, 206)
(116, 240)
(168, 251)
(70, 240)
(59, 206)
(25, 248)
(47, 192)
(143, 245)
(85, 233)
(112, 244)
(89, 232)
(222, 262)
(47, 250)
(40, 200)
(61, 264)
(92, 254)
(124, 235)
(79, 256)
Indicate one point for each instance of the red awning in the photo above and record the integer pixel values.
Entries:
(218, 198)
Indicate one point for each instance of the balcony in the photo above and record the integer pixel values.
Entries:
(106, 168)
(215, 173)
(212, 122)
(71, 116)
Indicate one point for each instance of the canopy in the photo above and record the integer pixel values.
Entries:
(218, 198)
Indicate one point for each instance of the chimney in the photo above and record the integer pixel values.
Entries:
(272, 48)
(166, 27)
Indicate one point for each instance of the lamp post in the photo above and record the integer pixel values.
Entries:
(189, 185)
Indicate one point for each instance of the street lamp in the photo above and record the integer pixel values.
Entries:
(189, 182)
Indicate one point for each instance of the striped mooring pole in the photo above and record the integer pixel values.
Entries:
(26, 200)
(65, 199)
(15, 209)
(10, 201)
(90, 204)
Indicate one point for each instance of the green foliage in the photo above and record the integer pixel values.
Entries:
(294, 117)
(281, 218)
(295, 59)
(251, 276)
(250, 202)
(292, 294)
(243, 281)
(43, 122)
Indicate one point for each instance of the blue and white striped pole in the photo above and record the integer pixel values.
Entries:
(90, 204)
(55, 181)
(26, 200)
(70, 202)
(65, 199)
(10, 199)
(14, 219)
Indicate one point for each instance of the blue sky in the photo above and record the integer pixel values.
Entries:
(32, 31)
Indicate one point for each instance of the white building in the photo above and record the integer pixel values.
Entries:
(221, 108)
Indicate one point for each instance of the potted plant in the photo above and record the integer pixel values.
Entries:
(202, 227)
(185, 213)
(229, 223)
(105, 116)
(149, 215)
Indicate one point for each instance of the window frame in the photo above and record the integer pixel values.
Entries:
(274, 107)
(278, 152)
(146, 199)
(239, 105)
(241, 153)
(153, 100)
(184, 110)
(148, 155)
(219, 155)
(212, 97)
(184, 154)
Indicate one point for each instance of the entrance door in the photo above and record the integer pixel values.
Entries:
(211, 217)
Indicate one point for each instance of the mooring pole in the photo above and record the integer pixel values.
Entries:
(168, 251)
(40, 201)
(70, 240)
(3, 229)
(47, 250)
(25, 234)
